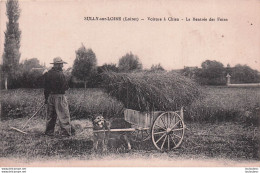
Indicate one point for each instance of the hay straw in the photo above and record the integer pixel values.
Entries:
(146, 91)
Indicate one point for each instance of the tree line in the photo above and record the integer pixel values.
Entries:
(213, 72)
(86, 73)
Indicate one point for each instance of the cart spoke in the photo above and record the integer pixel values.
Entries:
(160, 138)
(172, 140)
(170, 120)
(176, 135)
(163, 122)
(163, 142)
(159, 132)
(168, 142)
(175, 125)
(160, 127)
(177, 129)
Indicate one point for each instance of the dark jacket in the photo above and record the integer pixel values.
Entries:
(54, 82)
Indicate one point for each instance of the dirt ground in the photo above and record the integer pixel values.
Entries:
(222, 144)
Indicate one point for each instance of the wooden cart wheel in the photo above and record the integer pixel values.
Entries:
(140, 134)
(167, 131)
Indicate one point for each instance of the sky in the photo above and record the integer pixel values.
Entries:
(57, 28)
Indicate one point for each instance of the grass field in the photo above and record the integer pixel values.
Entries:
(219, 104)
(82, 103)
(222, 125)
(227, 104)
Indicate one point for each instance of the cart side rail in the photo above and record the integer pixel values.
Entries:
(145, 119)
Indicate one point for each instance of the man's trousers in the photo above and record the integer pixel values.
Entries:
(58, 108)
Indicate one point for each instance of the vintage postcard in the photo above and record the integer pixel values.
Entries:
(120, 83)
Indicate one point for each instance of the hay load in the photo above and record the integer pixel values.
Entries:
(146, 91)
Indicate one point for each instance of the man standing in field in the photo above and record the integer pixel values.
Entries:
(55, 86)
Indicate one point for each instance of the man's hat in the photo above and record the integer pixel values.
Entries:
(58, 60)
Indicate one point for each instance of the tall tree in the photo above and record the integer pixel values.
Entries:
(85, 64)
(211, 73)
(11, 55)
(129, 62)
(212, 69)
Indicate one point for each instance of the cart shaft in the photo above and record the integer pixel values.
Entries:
(120, 130)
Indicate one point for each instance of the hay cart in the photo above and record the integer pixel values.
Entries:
(165, 128)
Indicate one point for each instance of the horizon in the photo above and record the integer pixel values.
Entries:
(52, 28)
(66, 66)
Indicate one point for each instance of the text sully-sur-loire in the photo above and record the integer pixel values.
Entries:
(157, 19)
